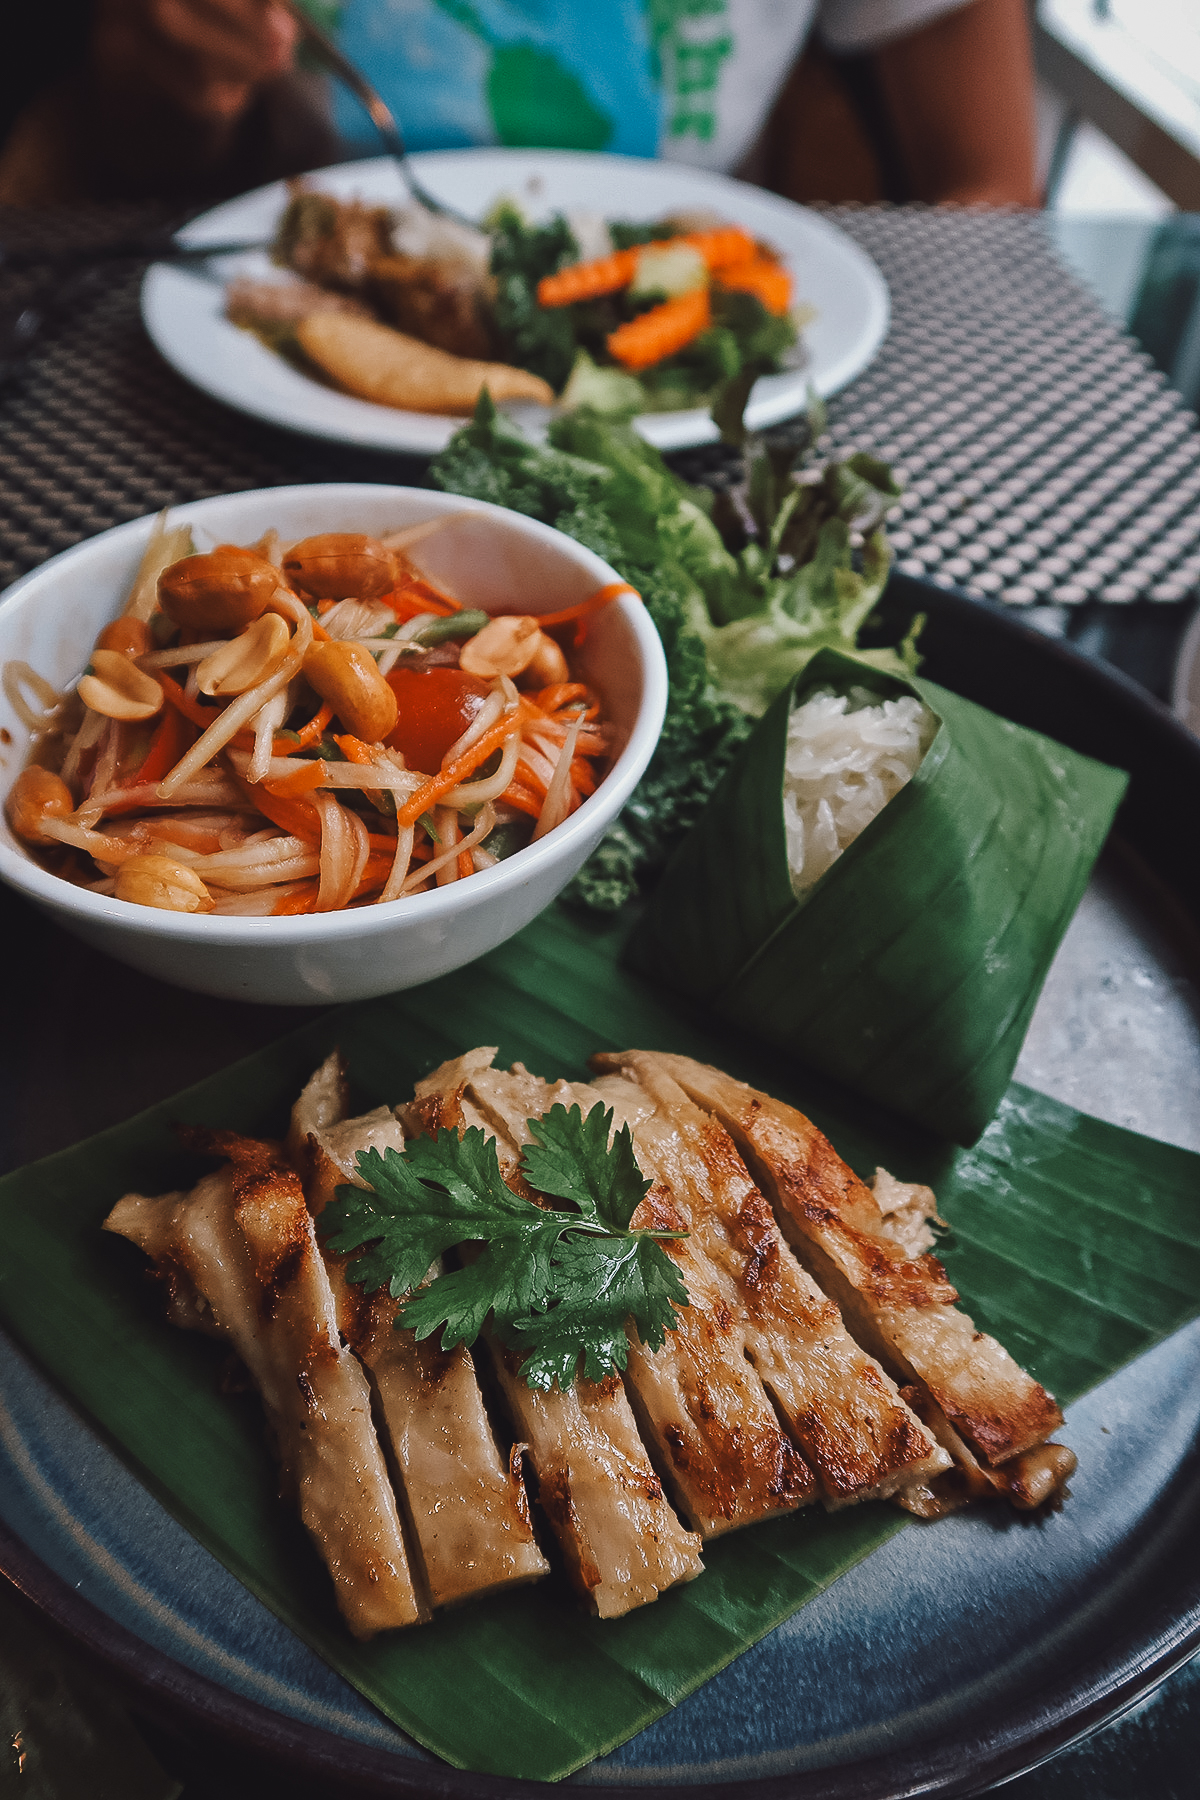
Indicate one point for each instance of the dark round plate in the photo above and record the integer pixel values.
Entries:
(952, 1657)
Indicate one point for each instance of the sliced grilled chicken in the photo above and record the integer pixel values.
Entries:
(697, 1400)
(239, 1259)
(856, 1432)
(466, 1502)
(966, 1387)
(622, 1544)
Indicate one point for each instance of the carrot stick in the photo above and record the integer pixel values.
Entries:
(727, 244)
(517, 795)
(662, 331)
(302, 901)
(310, 734)
(299, 818)
(588, 280)
(552, 699)
(297, 783)
(767, 281)
(354, 750)
(607, 274)
(415, 595)
(431, 793)
(202, 716)
(171, 738)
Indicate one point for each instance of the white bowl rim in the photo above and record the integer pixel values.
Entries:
(618, 783)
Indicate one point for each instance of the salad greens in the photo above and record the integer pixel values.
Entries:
(744, 586)
(558, 1286)
(563, 344)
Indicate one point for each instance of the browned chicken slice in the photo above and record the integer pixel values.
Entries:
(466, 1502)
(621, 1542)
(239, 1259)
(698, 1400)
(860, 1438)
(435, 299)
(964, 1385)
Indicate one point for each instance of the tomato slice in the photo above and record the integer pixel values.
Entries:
(436, 706)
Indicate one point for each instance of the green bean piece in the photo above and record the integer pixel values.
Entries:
(454, 629)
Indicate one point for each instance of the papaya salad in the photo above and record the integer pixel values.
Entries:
(274, 730)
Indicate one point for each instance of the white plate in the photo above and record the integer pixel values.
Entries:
(183, 309)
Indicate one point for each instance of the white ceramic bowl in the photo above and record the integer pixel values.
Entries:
(50, 620)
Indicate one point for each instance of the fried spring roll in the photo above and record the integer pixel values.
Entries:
(239, 1260)
(845, 1413)
(622, 1544)
(697, 1399)
(965, 1386)
(467, 1504)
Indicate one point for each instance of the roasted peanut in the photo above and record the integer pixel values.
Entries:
(222, 590)
(36, 796)
(128, 637)
(118, 689)
(340, 565)
(547, 664)
(348, 677)
(245, 659)
(159, 881)
(505, 646)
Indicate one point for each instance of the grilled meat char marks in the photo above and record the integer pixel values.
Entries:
(974, 1398)
(698, 1401)
(621, 1542)
(860, 1438)
(466, 1502)
(243, 1244)
(760, 1401)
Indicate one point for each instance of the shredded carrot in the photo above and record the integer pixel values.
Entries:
(523, 798)
(376, 872)
(297, 783)
(767, 281)
(552, 699)
(607, 274)
(583, 776)
(465, 865)
(415, 595)
(324, 606)
(466, 764)
(582, 608)
(299, 818)
(301, 901)
(662, 331)
(311, 733)
(202, 716)
(171, 738)
(354, 750)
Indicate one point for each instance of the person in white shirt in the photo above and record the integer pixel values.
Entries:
(195, 94)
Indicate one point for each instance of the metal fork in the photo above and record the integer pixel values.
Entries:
(380, 114)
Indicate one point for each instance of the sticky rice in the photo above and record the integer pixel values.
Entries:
(847, 756)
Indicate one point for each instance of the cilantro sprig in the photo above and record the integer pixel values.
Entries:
(560, 1287)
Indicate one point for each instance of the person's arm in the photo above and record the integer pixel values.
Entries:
(959, 93)
(174, 89)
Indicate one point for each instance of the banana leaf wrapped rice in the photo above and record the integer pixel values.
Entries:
(903, 956)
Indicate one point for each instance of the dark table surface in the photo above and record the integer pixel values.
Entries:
(1048, 464)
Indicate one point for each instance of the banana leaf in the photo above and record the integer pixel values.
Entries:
(1076, 1243)
(911, 969)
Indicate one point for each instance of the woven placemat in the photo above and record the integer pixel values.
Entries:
(1045, 459)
